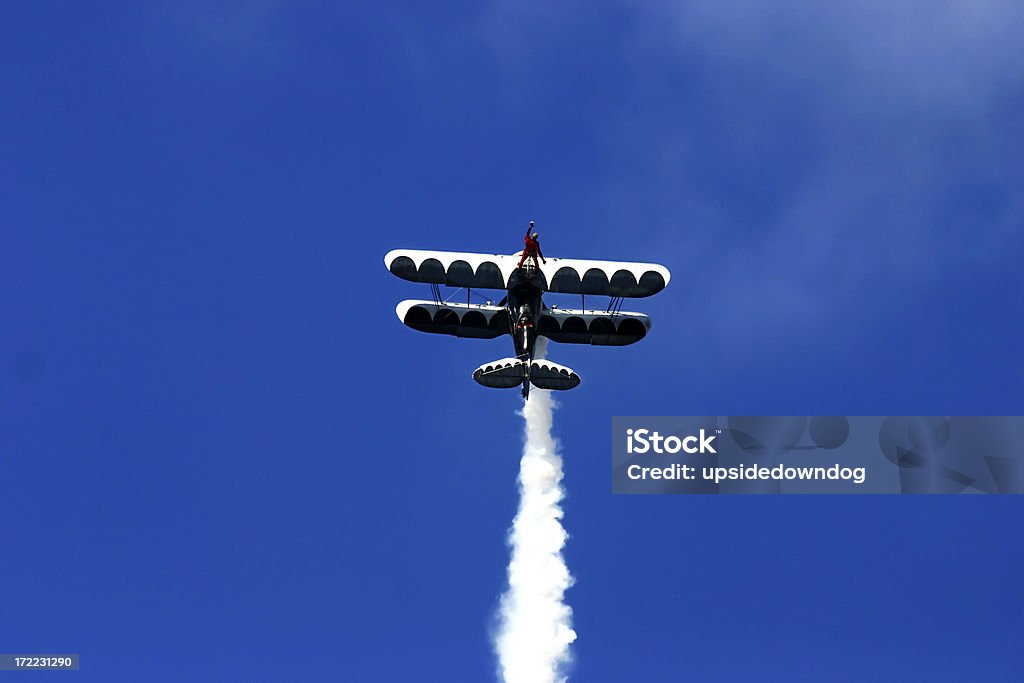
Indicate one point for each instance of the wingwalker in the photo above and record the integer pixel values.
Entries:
(522, 313)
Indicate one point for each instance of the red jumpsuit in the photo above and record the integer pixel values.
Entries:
(532, 249)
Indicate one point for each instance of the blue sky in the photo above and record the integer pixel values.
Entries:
(223, 458)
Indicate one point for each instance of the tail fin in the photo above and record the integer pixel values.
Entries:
(510, 372)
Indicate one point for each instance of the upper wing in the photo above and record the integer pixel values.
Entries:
(458, 320)
(563, 276)
(599, 328)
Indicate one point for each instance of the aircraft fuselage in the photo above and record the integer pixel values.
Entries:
(525, 303)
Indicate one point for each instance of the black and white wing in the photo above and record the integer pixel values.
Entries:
(559, 275)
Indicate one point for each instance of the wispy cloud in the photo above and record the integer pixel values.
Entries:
(794, 156)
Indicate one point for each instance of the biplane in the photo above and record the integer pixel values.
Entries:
(522, 313)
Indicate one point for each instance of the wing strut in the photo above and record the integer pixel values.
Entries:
(614, 306)
(469, 297)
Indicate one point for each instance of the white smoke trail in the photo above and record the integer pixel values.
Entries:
(535, 628)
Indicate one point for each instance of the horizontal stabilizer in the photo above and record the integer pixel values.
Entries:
(501, 374)
(547, 375)
(510, 372)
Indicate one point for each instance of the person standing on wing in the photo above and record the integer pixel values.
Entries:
(532, 248)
